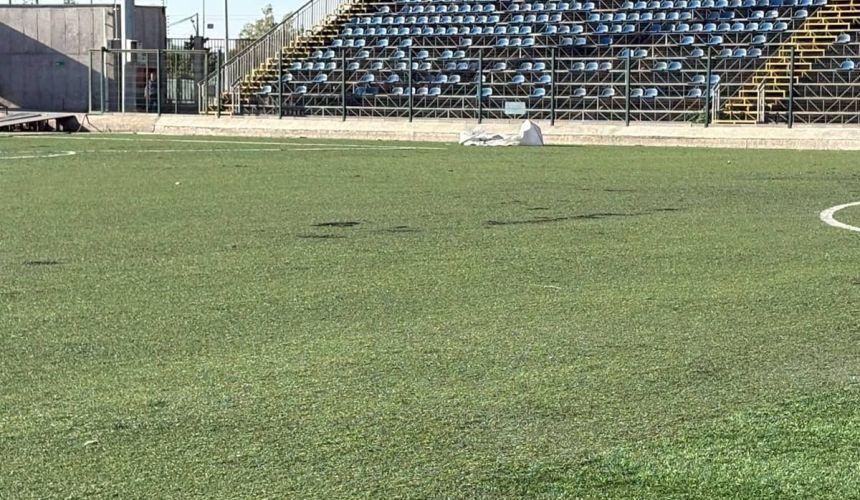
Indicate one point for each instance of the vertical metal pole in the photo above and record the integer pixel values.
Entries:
(158, 81)
(791, 89)
(226, 30)
(552, 88)
(627, 89)
(708, 90)
(280, 84)
(218, 88)
(411, 90)
(89, 82)
(343, 84)
(103, 81)
(480, 87)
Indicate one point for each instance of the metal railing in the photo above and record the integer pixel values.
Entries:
(307, 18)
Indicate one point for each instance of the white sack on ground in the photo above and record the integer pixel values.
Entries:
(530, 135)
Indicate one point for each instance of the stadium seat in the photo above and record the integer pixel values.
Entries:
(843, 38)
(847, 65)
(607, 92)
(538, 93)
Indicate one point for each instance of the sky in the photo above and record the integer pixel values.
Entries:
(241, 12)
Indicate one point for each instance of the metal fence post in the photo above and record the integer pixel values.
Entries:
(158, 81)
(89, 83)
(343, 84)
(627, 89)
(218, 87)
(411, 90)
(791, 89)
(552, 87)
(103, 82)
(280, 85)
(480, 87)
(708, 90)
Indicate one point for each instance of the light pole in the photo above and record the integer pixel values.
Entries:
(226, 30)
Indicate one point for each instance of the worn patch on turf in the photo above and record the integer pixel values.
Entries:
(42, 263)
(34, 156)
(320, 236)
(827, 216)
(545, 220)
(336, 224)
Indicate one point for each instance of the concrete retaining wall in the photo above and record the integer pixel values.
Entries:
(44, 51)
(671, 135)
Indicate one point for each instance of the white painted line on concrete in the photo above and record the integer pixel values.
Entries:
(827, 217)
(41, 155)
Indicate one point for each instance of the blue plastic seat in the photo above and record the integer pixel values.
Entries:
(486, 92)
(451, 66)
(515, 42)
(382, 42)
(696, 27)
(440, 79)
(737, 27)
(526, 66)
(502, 42)
(591, 66)
(660, 66)
(604, 66)
(518, 79)
(739, 52)
(695, 93)
(607, 92)
(376, 66)
(843, 38)
(847, 65)
(543, 18)
(580, 42)
(422, 91)
(367, 78)
(758, 40)
(754, 53)
(393, 78)
(715, 80)
(672, 16)
(528, 42)
(435, 92)
(500, 66)
(308, 66)
(579, 92)
(579, 66)
(687, 40)
(465, 42)
(550, 29)
(674, 66)
(682, 28)
(725, 53)
(545, 80)
(576, 29)
(566, 42)
(780, 26)
(453, 79)
(538, 93)
(697, 80)
(800, 14)
(301, 89)
(715, 40)
(636, 93)
(464, 66)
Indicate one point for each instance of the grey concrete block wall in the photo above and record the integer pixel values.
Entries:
(44, 51)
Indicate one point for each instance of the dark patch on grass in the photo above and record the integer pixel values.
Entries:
(336, 224)
(546, 220)
(668, 209)
(42, 263)
(400, 229)
(856, 282)
(619, 190)
(320, 236)
(538, 208)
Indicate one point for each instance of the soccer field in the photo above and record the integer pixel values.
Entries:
(204, 317)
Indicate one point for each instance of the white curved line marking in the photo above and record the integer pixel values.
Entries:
(31, 157)
(827, 217)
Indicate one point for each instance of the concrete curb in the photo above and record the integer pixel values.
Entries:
(563, 133)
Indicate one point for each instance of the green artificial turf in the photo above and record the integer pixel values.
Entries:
(182, 319)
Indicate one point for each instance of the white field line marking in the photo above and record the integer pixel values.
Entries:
(34, 156)
(235, 150)
(827, 217)
(213, 141)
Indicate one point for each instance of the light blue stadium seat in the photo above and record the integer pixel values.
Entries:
(550, 29)
(500, 66)
(435, 92)
(843, 38)
(566, 42)
(847, 65)
(725, 53)
(580, 42)
(682, 28)
(518, 80)
(715, 40)
(780, 26)
(545, 80)
(687, 40)
(503, 42)
(715, 80)
(697, 80)
(425, 66)
(800, 14)
(737, 27)
(440, 79)
(660, 66)
(422, 54)
(636, 93)
(607, 92)
(542, 18)
(459, 54)
(301, 89)
(758, 40)
(451, 66)
(393, 78)
(754, 53)
(296, 66)
(695, 93)
(538, 93)
(396, 91)
(674, 66)
(591, 66)
(739, 52)
(308, 66)
(605, 66)
(576, 29)
(422, 91)
(579, 92)
(465, 42)
(525, 30)
(528, 42)
(376, 66)
(580, 66)
(453, 79)
(464, 66)
(515, 42)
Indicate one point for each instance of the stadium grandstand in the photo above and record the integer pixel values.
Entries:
(729, 61)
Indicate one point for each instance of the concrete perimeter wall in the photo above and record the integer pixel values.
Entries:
(44, 51)
(581, 133)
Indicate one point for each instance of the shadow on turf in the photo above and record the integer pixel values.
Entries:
(591, 216)
(42, 263)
